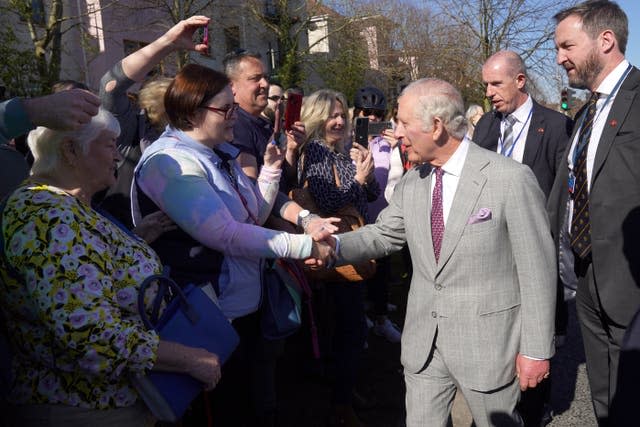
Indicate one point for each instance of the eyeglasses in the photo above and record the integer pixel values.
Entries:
(371, 112)
(276, 98)
(228, 112)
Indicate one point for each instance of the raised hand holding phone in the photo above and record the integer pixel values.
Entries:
(292, 111)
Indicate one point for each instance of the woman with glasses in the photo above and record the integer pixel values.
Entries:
(191, 174)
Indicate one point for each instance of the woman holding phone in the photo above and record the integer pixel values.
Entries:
(323, 158)
(370, 103)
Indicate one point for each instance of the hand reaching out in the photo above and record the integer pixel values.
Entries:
(66, 110)
(322, 255)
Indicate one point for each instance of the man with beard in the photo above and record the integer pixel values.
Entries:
(536, 136)
(595, 199)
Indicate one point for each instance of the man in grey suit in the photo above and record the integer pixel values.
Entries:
(536, 136)
(595, 200)
(481, 305)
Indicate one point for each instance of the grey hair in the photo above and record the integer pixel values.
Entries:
(438, 98)
(232, 60)
(46, 143)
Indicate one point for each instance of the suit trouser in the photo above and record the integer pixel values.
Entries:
(430, 395)
(602, 340)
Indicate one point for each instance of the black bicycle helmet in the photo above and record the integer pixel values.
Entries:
(370, 98)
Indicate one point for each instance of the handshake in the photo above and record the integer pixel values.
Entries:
(323, 251)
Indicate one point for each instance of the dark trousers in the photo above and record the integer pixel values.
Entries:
(349, 334)
(532, 403)
(378, 287)
(602, 341)
(246, 393)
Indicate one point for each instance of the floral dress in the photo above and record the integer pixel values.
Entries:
(72, 317)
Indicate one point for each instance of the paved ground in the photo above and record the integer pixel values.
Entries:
(305, 385)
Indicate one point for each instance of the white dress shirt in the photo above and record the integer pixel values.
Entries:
(603, 107)
(452, 171)
(520, 129)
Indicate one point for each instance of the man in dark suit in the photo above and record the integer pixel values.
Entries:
(596, 195)
(536, 136)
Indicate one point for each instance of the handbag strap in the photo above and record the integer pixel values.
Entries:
(301, 278)
(167, 288)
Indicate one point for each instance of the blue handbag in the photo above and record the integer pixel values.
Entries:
(193, 319)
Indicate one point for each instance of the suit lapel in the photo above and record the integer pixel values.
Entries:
(494, 133)
(533, 143)
(617, 115)
(470, 187)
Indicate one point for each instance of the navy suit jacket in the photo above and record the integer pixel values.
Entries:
(547, 138)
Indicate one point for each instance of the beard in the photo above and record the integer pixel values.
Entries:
(586, 73)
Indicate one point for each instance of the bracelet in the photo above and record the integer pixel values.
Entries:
(306, 220)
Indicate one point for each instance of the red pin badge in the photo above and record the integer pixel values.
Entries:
(613, 123)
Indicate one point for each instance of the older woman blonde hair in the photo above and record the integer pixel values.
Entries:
(46, 143)
(316, 110)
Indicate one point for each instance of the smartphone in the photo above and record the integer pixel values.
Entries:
(362, 131)
(205, 36)
(376, 128)
(292, 111)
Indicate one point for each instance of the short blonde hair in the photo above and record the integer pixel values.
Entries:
(151, 99)
(316, 110)
(46, 143)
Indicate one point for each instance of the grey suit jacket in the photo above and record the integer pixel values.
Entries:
(614, 204)
(492, 295)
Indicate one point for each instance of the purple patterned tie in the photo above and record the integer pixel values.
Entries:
(437, 218)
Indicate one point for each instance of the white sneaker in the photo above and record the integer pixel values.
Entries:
(388, 330)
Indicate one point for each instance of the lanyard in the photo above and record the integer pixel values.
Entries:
(515, 141)
(580, 145)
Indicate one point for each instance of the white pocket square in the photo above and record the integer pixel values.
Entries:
(484, 214)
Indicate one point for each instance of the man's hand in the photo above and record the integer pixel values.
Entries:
(66, 110)
(531, 372)
(322, 255)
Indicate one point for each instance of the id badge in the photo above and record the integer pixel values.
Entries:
(572, 183)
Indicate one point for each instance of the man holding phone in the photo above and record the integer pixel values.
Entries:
(369, 111)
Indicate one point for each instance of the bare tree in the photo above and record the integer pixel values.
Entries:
(45, 30)
(524, 26)
(290, 21)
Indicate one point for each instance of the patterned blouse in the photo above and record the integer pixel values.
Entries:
(72, 319)
(318, 172)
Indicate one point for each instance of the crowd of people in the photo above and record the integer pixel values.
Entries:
(502, 216)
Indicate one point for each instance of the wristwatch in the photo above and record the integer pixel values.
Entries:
(303, 217)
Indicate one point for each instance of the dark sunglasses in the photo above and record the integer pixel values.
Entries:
(228, 112)
(276, 98)
(371, 112)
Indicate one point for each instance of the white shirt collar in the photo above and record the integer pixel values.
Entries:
(522, 112)
(454, 165)
(609, 82)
